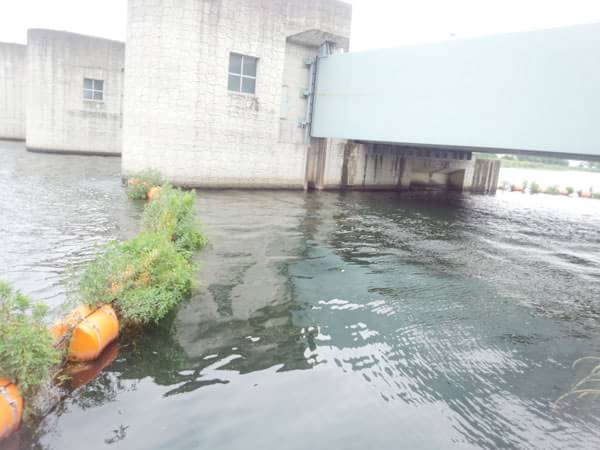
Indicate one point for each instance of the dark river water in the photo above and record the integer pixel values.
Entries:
(326, 320)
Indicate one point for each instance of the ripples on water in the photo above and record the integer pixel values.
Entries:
(357, 320)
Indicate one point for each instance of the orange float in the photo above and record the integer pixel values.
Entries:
(11, 408)
(517, 188)
(92, 331)
(153, 193)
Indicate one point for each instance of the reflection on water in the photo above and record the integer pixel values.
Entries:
(331, 320)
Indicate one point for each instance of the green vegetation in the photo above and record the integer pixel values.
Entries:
(147, 277)
(139, 185)
(534, 188)
(172, 214)
(27, 354)
(537, 162)
(570, 190)
(144, 278)
(553, 190)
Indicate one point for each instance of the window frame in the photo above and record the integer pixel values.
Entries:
(93, 90)
(241, 74)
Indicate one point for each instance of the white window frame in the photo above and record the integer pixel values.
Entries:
(241, 74)
(93, 90)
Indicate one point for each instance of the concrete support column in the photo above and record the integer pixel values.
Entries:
(405, 173)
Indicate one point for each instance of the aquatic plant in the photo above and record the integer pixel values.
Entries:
(553, 190)
(570, 190)
(139, 185)
(172, 213)
(144, 278)
(588, 385)
(27, 354)
(534, 188)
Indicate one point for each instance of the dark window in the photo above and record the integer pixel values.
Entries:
(242, 73)
(93, 89)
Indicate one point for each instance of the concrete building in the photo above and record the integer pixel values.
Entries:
(215, 91)
(74, 93)
(219, 94)
(12, 91)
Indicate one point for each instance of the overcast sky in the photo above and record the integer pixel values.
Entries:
(377, 23)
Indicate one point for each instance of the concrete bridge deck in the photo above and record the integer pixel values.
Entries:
(535, 92)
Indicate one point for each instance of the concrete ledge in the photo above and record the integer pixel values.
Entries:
(72, 152)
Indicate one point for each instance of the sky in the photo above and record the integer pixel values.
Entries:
(376, 23)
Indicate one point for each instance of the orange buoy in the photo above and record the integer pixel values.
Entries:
(93, 334)
(584, 194)
(517, 188)
(153, 193)
(60, 329)
(11, 408)
(91, 331)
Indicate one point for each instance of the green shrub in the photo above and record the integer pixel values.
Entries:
(144, 278)
(570, 190)
(27, 354)
(553, 190)
(139, 185)
(534, 188)
(596, 195)
(173, 214)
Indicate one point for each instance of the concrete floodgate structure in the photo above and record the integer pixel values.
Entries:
(74, 93)
(12, 91)
(219, 94)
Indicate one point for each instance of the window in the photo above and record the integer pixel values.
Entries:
(93, 89)
(242, 73)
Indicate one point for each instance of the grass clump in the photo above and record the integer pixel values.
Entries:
(27, 354)
(534, 188)
(139, 185)
(553, 190)
(172, 214)
(144, 278)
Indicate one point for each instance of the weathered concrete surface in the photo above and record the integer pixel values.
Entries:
(343, 164)
(59, 119)
(485, 176)
(12, 91)
(534, 91)
(179, 116)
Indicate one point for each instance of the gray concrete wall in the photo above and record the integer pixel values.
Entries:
(179, 116)
(58, 117)
(12, 91)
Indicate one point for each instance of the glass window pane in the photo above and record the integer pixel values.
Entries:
(87, 94)
(248, 85)
(98, 85)
(88, 84)
(98, 95)
(249, 66)
(235, 63)
(234, 83)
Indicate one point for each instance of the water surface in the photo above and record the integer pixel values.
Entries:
(326, 320)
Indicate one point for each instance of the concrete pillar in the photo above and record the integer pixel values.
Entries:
(405, 173)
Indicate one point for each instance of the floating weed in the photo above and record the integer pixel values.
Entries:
(144, 278)
(27, 354)
(172, 213)
(588, 385)
(139, 185)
